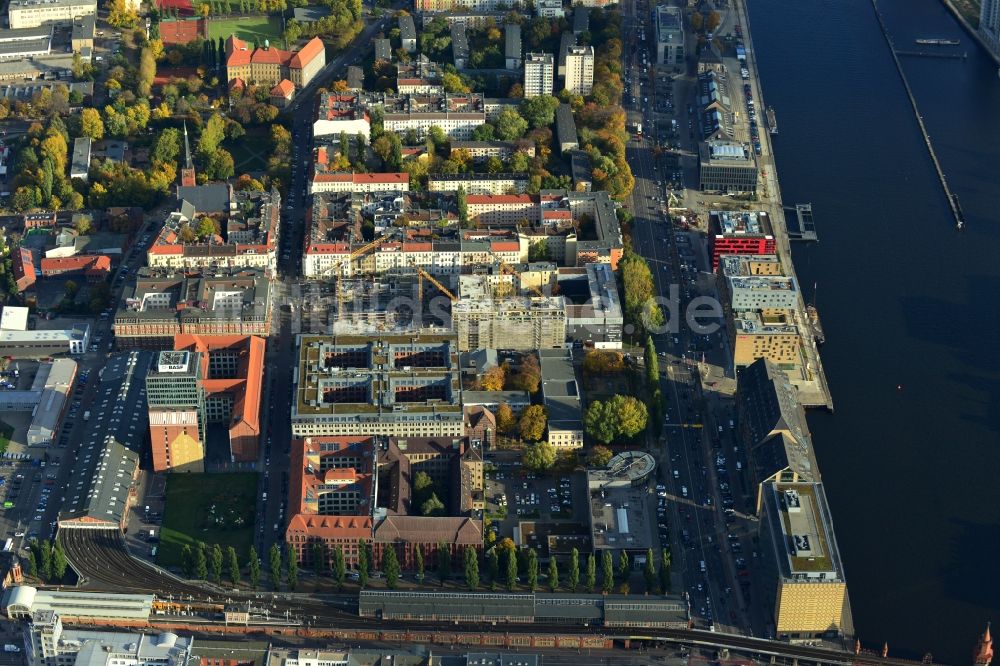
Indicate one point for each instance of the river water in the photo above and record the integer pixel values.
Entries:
(911, 308)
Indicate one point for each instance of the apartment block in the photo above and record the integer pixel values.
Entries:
(479, 183)
(539, 73)
(456, 114)
(248, 230)
(341, 113)
(580, 69)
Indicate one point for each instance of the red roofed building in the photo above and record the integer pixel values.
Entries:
(95, 267)
(282, 93)
(268, 65)
(339, 181)
(24, 269)
(230, 371)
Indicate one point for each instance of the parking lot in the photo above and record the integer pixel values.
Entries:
(513, 496)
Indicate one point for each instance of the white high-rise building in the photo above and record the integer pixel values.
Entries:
(989, 25)
(539, 71)
(580, 69)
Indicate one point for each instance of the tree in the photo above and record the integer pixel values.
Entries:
(364, 563)
(509, 125)
(539, 111)
(212, 134)
(91, 124)
(444, 562)
(32, 563)
(532, 423)
(539, 457)
(274, 557)
(553, 577)
(418, 563)
(83, 224)
(511, 569)
(528, 377)
(215, 561)
(493, 568)
(713, 21)
(607, 572)
(630, 415)
(598, 422)
(200, 562)
(432, 506)
(146, 73)
(292, 570)
(697, 21)
(623, 565)
(531, 571)
(453, 83)
(652, 363)
(599, 457)
(58, 562)
(471, 569)
(493, 380)
(205, 228)
(390, 568)
(506, 421)
(319, 557)
(187, 561)
(463, 207)
(573, 576)
(167, 147)
(483, 133)
(234, 566)
(665, 570)
(121, 15)
(338, 566)
(253, 567)
(649, 571)
(599, 362)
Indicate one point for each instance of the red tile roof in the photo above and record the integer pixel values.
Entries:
(237, 52)
(335, 527)
(270, 56)
(285, 89)
(89, 263)
(306, 54)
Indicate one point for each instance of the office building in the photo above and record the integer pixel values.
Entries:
(989, 25)
(267, 66)
(539, 72)
(594, 315)
(159, 305)
(800, 557)
(388, 385)
(669, 36)
(738, 232)
(33, 13)
(758, 292)
(726, 166)
(205, 380)
(16, 341)
(489, 315)
(580, 69)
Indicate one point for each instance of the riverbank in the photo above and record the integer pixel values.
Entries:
(816, 391)
(967, 14)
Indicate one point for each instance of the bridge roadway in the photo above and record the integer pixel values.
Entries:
(100, 558)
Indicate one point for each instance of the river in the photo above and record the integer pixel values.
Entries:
(910, 307)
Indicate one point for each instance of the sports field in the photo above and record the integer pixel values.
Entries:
(247, 28)
(211, 508)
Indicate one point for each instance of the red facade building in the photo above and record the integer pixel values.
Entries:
(739, 233)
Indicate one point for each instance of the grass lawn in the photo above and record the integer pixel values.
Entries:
(249, 152)
(189, 516)
(247, 28)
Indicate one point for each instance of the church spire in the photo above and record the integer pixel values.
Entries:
(984, 650)
(187, 171)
